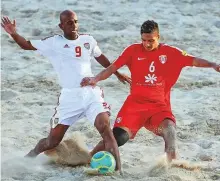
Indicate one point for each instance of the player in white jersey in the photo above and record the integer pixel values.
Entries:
(70, 55)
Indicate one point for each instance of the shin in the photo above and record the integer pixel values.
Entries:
(53, 140)
(103, 126)
(109, 143)
(168, 133)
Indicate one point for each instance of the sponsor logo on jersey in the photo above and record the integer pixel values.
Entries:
(163, 59)
(118, 120)
(139, 58)
(151, 78)
(87, 45)
(184, 53)
(66, 46)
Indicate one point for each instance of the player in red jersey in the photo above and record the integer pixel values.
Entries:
(155, 68)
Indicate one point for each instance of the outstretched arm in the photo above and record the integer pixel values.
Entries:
(103, 60)
(198, 62)
(101, 76)
(10, 28)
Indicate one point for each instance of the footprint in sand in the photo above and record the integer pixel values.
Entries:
(205, 157)
(217, 24)
(7, 95)
(205, 144)
(215, 125)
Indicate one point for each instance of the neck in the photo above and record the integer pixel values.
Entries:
(156, 48)
(73, 36)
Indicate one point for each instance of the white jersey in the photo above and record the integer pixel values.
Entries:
(71, 59)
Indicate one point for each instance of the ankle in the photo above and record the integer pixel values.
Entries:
(31, 154)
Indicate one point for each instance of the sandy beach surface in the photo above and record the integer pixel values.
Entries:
(29, 87)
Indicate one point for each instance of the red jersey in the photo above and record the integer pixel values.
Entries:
(153, 73)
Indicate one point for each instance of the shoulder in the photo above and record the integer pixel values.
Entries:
(167, 47)
(172, 49)
(55, 36)
(133, 47)
(87, 38)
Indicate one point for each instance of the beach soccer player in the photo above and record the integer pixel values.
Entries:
(70, 55)
(155, 68)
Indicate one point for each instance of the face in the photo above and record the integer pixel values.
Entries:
(69, 24)
(150, 40)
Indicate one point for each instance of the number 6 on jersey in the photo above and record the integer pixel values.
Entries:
(152, 67)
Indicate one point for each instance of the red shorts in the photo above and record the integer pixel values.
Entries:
(134, 115)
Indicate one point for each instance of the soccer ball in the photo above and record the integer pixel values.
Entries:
(104, 162)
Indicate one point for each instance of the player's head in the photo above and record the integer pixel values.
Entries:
(68, 22)
(150, 35)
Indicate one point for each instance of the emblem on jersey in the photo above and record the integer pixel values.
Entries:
(118, 120)
(163, 59)
(184, 53)
(87, 45)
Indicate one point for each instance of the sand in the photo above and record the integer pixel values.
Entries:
(29, 88)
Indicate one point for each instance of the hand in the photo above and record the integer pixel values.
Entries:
(123, 78)
(88, 81)
(8, 26)
(217, 67)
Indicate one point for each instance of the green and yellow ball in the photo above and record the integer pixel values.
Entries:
(104, 162)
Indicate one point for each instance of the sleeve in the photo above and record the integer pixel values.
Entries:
(96, 52)
(44, 46)
(183, 58)
(124, 58)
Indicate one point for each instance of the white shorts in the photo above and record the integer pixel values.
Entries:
(74, 104)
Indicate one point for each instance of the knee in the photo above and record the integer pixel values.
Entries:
(169, 131)
(102, 122)
(167, 123)
(121, 136)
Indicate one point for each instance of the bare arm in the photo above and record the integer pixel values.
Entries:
(106, 73)
(22, 42)
(103, 60)
(198, 62)
(10, 28)
(101, 76)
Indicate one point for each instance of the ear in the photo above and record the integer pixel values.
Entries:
(158, 36)
(61, 27)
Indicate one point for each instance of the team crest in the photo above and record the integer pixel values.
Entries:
(87, 45)
(118, 120)
(163, 59)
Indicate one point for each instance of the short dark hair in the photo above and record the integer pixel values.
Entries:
(149, 26)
